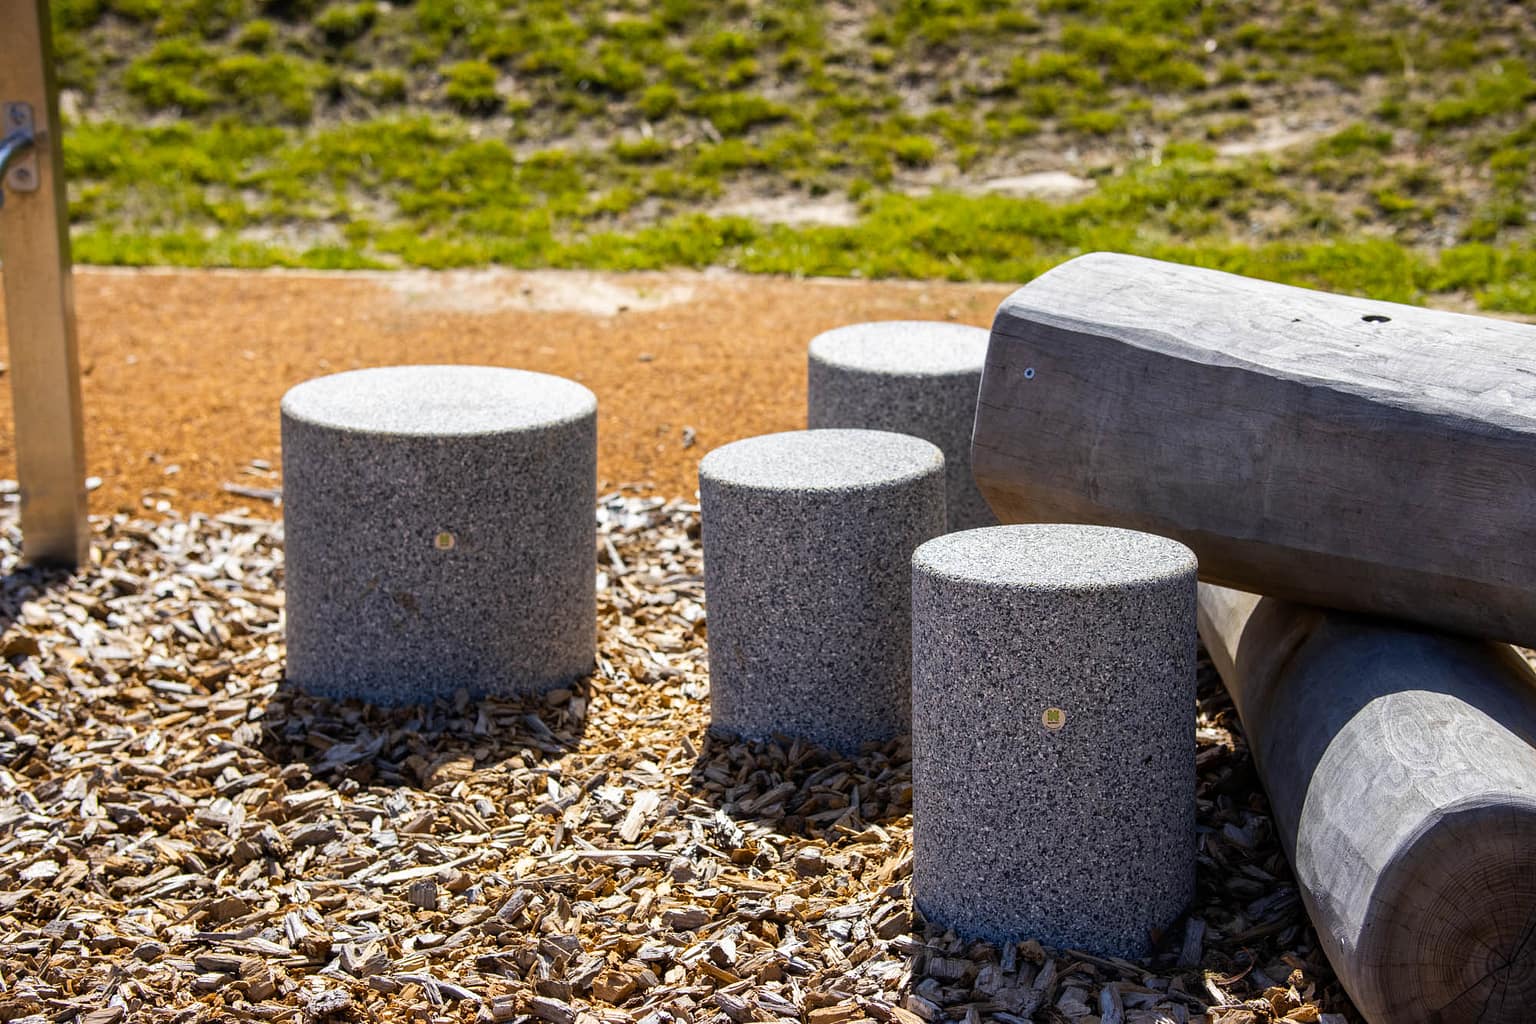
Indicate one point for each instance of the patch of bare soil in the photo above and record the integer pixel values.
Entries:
(792, 209)
(184, 370)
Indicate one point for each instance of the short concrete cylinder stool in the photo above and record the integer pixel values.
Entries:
(808, 540)
(439, 532)
(1053, 734)
(915, 377)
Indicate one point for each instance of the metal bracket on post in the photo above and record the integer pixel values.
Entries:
(18, 155)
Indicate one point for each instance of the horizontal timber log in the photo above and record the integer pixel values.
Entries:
(1403, 780)
(1333, 451)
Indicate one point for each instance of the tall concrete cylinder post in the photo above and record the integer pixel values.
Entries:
(808, 540)
(917, 377)
(439, 532)
(1053, 734)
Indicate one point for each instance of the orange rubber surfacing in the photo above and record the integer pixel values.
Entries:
(183, 370)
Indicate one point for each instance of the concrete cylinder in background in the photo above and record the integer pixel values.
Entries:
(915, 377)
(439, 532)
(808, 540)
(1053, 734)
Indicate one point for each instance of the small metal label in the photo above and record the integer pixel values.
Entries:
(1054, 719)
(444, 541)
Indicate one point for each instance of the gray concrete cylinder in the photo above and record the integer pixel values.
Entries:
(1053, 734)
(439, 532)
(808, 540)
(915, 377)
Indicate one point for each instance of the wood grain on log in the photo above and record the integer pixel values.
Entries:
(1330, 450)
(1400, 766)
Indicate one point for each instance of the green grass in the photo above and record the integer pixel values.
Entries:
(585, 134)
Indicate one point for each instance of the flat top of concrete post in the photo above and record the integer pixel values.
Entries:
(1052, 556)
(822, 460)
(917, 348)
(443, 401)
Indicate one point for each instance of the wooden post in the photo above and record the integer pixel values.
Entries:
(39, 300)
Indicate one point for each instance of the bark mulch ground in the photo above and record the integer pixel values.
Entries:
(184, 838)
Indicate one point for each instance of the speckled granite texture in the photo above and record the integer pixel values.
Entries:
(1077, 828)
(808, 540)
(917, 377)
(439, 532)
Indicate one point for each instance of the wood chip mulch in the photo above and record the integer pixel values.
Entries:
(183, 838)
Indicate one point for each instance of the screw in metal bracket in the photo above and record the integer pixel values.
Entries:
(18, 155)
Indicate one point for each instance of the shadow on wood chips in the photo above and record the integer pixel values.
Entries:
(352, 744)
(19, 587)
(800, 789)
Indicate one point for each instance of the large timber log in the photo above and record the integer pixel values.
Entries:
(1401, 772)
(1330, 450)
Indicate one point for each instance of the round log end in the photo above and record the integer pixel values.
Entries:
(1451, 930)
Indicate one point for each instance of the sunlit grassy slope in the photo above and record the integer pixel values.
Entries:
(1383, 148)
